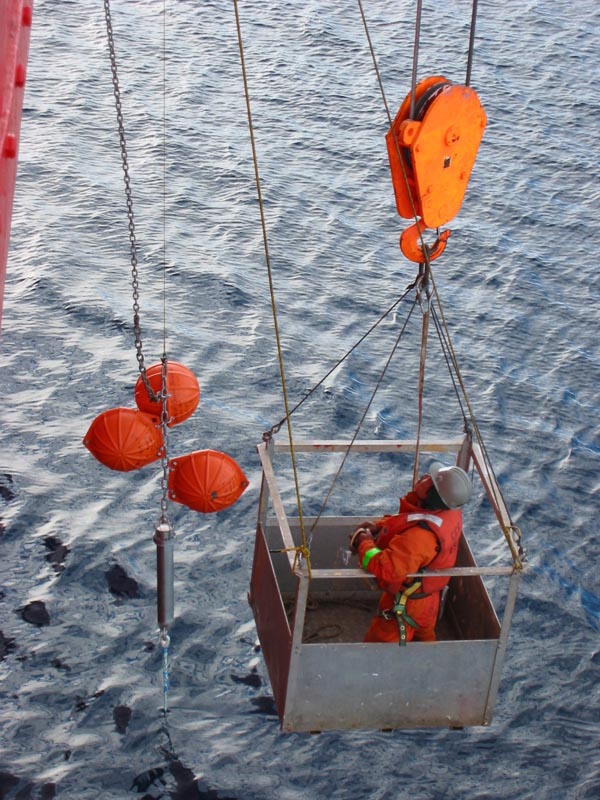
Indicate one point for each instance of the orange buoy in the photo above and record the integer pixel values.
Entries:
(206, 481)
(124, 439)
(182, 387)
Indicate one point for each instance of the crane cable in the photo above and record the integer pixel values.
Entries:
(421, 281)
(275, 428)
(511, 532)
(302, 551)
(391, 125)
(363, 417)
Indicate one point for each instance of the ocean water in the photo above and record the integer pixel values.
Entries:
(82, 688)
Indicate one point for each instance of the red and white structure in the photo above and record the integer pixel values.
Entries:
(15, 28)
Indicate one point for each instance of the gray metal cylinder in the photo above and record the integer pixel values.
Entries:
(164, 539)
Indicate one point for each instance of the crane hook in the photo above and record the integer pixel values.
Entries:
(412, 247)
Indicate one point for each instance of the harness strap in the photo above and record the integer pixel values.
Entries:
(398, 611)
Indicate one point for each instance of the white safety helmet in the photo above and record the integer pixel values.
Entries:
(452, 483)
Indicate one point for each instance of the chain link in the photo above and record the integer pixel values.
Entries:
(129, 200)
(163, 395)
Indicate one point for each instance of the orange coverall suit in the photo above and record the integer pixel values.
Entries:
(407, 552)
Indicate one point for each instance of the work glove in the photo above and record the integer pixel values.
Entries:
(367, 530)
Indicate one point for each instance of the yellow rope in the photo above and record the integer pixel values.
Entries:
(303, 550)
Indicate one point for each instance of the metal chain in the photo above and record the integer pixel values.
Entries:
(129, 199)
(163, 395)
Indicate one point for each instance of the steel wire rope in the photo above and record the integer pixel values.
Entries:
(425, 304)
(397, 148)
(361, 421)
(444, 333)
(164, 524)
(413, 82)
(303, 550)
(424, 248)
(471, 43)
(447, 358)
(275, 428)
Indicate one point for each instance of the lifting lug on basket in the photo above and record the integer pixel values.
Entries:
(410, 243)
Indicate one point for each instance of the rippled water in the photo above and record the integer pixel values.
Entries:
(82, 695)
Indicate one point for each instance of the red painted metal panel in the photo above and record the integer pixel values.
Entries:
(15, 27)
(271, 620)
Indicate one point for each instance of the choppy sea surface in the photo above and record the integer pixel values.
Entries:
(80, 665)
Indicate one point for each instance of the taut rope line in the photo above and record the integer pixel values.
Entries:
(362, 419)
(413, 81)
(423, 296)
(424, 247)
(304, 549)
(444, 334)
(275, 428)
(471, 43)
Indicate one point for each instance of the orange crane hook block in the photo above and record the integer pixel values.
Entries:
(431, 157)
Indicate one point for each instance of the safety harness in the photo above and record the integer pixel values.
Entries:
(398, 610)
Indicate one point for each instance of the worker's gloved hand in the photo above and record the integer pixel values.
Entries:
(367, 530)
(371, 527)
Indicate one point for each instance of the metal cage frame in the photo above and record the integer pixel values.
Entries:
(345, 685)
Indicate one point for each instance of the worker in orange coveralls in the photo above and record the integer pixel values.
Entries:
(424, 534)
